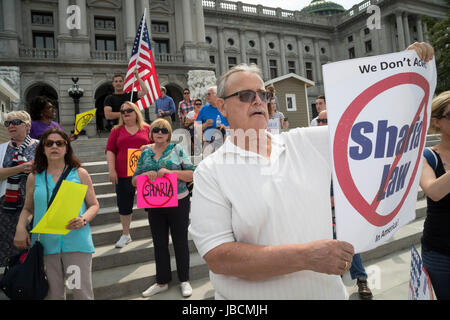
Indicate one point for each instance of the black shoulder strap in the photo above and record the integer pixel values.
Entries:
(58, 184)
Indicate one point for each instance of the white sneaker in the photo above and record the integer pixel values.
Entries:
(123, 241)
(154, 289)
(186, 289)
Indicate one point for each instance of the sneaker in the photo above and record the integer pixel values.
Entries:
(154, 289)
(186, 289)
(123, 241)
(363, 289)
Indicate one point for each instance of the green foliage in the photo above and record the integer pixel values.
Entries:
(439, 38)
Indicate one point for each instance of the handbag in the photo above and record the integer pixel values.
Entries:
(28, 280)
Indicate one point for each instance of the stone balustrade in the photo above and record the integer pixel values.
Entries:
(36, 53)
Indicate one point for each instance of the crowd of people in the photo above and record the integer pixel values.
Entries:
(247, 226)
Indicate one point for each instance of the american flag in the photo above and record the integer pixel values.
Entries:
(141, 56)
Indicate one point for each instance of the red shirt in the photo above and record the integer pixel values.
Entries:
(120, 140)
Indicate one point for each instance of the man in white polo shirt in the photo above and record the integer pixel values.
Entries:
(261, 214)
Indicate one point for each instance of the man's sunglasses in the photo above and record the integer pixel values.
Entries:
(59, 143)
(15, 122)
(126, 111)
(163, 130)
(198, 104)
(250, 95)
(446, 116)
(322, 120)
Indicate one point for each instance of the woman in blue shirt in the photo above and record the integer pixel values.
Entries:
(53, 155)
(160, 158)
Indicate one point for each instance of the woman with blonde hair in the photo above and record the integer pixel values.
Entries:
(16, 162)
(435, 182)
(163, 157)
(131, 133)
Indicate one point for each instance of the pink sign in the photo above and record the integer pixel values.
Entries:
(160, 193)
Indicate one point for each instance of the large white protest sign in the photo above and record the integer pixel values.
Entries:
(378, 114)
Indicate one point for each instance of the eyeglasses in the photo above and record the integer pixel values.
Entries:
(163, 130)
(322, 120)
(446, 116)
(59, 143)
(198, 104)
(126, 111)
(186, 92)
(250, 95)
(15, 122)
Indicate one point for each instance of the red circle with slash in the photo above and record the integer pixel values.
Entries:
(341, 140)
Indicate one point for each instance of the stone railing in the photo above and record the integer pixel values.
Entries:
(36, 53)
(119, 56)
(168, 58)
(261, 11)
(360, 8)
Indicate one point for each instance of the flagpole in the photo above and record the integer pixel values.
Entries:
(139, 50)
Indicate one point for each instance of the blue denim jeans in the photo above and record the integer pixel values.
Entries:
(438, 268)
(357, 269)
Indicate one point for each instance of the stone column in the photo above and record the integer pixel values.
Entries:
(130, 23)
(187, 22)
(283, 54)
(317, 58)
(83, 16)
(243, 46)
(406, 28)
(62, 17)
(9, 16)
(200, 21)
(425, 32)
(221, 40)
(265, 67)
(300, 57)
(145, 5)
(419, 29)
(400, 32)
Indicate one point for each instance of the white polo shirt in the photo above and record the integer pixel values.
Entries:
(242, 196)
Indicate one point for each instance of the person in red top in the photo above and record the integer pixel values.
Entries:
(131, 133)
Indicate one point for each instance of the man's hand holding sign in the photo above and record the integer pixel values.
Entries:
(378, 126)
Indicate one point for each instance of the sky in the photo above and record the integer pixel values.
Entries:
(296, 4)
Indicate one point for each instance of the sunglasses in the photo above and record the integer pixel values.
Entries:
(15, 122)
(250, 95)
(162, 130)
(126, 111)
(446, 116)
(198, 104)
(186, 92)
(59, 143)
(322, 120)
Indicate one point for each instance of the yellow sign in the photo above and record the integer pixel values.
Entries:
(133, 158)
(82, 120)
(65, 207)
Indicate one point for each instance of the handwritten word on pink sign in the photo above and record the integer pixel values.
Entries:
(160, 193)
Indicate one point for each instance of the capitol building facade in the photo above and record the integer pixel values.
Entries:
(40, 54)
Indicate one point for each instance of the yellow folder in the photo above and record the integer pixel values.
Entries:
(65, 207)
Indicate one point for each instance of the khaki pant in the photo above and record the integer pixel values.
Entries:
(77, 268)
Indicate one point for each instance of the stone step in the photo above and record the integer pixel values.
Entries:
(110, 215)
(115, 283)
(109, 234)
(137, 251)
(202, 289)
(99, 177)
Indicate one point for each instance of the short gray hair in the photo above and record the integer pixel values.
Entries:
(243, 67)
(213, 88)
(21, 114)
